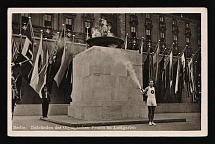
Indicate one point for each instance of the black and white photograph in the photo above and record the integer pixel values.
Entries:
(107, 72)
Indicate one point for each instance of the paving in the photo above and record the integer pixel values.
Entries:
(34, 123)
(72, 122)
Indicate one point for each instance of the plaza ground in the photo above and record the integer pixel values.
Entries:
(33, 123)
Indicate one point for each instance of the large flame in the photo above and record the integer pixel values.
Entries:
(101, 28)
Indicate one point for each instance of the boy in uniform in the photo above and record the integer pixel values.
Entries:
(151, 101)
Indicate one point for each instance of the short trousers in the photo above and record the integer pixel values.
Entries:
(151, 102)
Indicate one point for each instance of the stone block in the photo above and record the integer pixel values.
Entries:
(96, 113)
(107, 69)
(127, 112)
(131, 83)
(123, 94)
(107, 103)
(87, 82)
(134, 103)
(87, 94)
(97, 52)
(112, 112)
(76, 111)
(130, 96)
(85, 112)
(101, 94)
(86, 70)
(105, 57)
(118, 70)
(77, 95)
(138, 59)
(71, 111)
(136, 95)
(120, 103)
(123, 82)
(75, 83)
(119, 94)
(96, 81)
(143, 111)
(138, 72)
(115, 82)
(127, 56)
(135, 111)
(96, 69)
(97, 103)
(107, 81)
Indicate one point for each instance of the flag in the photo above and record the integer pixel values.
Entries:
(17, 83)
(26, 52)
(28, 31)
(166, 71)
(183, 63)
(156, 62)
(151, 69)
(22, 64)
(141, 48)
(38, 74)
(198, 76)
(160, 81)
(44, 81)
(146, 71)
(191, 79)
(167, 77)
(15, 51)
(190, 68)
(166, 80)
(53, 66)
(29, 42)
(27, 49)
(170, 70)
(69, 51)
(126, 41)
(65, 85)
(177, 76)
(64, 62)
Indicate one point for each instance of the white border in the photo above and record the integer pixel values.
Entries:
(204, 72)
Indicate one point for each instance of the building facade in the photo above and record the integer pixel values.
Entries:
(180, 29)
(175, 31)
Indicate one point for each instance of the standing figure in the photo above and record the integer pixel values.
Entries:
(14, 93)
(151, 101)
(45, 101)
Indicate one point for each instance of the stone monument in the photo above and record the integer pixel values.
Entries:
(104, 87)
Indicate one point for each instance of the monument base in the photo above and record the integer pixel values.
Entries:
(105, 85)
(100, 110)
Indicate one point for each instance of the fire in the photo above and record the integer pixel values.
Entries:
(101, 28)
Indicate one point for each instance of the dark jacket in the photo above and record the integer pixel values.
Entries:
(44, 96)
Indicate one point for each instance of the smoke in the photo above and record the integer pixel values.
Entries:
(120, 59)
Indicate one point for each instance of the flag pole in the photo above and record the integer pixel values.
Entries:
(20, 24)
(141, 51)
(64, 41)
